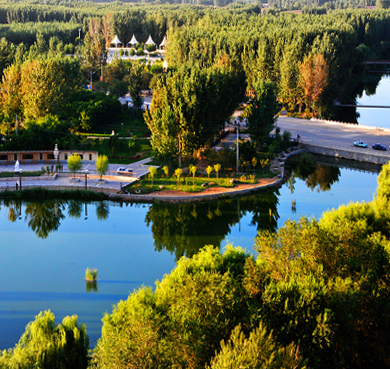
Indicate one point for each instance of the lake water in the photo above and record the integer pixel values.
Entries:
(376, 117)
(46, 247)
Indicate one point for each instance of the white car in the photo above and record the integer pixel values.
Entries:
(121, 170)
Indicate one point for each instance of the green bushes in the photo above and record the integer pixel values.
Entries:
(47, 346)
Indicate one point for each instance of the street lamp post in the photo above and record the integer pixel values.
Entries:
(92, 73)
(238, 145)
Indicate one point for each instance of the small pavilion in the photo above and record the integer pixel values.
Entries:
(164, 43)
(116, 41)
(133, 42)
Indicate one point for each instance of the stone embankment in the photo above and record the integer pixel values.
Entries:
(359, 154)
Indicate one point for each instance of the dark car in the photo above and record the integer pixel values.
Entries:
(379, 146)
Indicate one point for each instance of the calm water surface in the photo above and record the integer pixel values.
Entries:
(46, 247)
(374, 116)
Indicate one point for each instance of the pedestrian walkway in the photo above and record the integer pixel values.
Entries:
(86, 178)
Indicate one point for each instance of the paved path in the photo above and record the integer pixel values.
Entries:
(112, 183)
(335, 135)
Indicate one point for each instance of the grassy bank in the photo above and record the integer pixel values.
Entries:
(195, 184)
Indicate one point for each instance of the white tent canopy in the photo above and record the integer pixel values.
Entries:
(150, 41)
(133, 41)
(116, 41)
(164, 42)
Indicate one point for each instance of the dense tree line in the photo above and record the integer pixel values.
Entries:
(269, 49)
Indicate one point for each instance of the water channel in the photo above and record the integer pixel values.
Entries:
(46, 246)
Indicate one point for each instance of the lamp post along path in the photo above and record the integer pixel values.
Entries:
(238, 145)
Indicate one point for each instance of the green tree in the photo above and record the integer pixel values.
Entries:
(44, 217)
(45, 84)
(135, 84)
(166, 170)
(259, 350)
(193, 168)
(10, 98)
(74, 164)
(190, 106)
(153, 172)
(178, 173)
(209, 169)
(254, 163)
(261, 113)
(182, 322)
(217, 168)
(384, 181)
(47, 345)
(101, 165)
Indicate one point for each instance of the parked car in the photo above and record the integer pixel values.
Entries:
(360, 144)
(128, 170)
(379, 146)
(121, 169)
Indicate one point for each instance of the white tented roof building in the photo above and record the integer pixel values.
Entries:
(116, 41)
(150, 41)
(133, 41)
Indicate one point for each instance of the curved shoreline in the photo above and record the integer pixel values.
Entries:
(209, 194)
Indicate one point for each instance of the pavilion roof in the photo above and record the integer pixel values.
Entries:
(150, 41)
(116, 40)
(133, 41)
(164, 42)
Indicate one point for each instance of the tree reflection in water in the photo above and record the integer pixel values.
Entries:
(181, 229)
(91, 286)
(102, 210)
(184, 229)
(74, 209)
(14, 209)
(320, 176)
(44, 217)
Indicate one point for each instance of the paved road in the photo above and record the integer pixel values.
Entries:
(322, 133)
(334, 135)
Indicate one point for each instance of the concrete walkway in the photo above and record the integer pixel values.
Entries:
(112, 181)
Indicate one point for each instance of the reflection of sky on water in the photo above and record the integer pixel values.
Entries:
(376, 117)
(38, 274)
(121, 248)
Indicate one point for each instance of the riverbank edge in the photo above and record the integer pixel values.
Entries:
(103, 194)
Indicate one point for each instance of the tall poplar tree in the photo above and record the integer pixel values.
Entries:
(190, 107)
(261, 113)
